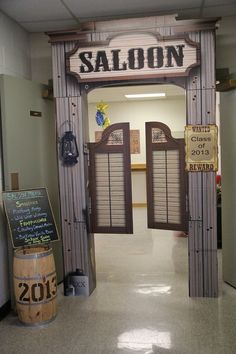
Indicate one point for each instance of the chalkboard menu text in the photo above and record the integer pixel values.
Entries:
(30, 217)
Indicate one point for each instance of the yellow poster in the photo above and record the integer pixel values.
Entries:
(201, 147)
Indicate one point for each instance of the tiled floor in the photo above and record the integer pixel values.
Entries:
(140, 305)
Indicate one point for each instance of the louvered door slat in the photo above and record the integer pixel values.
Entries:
(166, 189)
(110, 181)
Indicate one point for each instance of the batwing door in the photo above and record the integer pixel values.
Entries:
(166, 179)
(110, 181)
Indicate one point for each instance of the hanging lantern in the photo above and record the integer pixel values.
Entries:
(69, 149)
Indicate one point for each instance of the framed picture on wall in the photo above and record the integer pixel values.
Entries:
(98, 135)
(134, 140)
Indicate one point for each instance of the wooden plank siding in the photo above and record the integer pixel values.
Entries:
(200, 101)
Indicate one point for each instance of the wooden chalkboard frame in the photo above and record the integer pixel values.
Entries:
(27, 229)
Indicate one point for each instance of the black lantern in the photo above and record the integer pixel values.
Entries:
(69, 149)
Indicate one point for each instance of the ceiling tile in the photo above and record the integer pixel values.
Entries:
(49, 25)
(219, 11)
(218, 2)
(31, 10)
(90, 8)
(47, 15)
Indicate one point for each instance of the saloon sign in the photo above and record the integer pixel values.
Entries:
(133, 56)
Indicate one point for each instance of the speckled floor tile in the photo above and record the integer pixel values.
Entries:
(140, 305)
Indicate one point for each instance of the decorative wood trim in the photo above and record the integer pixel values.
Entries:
(138, 167)
(139, 205)
(149, 23)
(226, 85)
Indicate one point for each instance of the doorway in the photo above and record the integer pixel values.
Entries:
(123, 253)
(169, 110)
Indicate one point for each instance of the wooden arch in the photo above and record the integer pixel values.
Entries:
(71, 105)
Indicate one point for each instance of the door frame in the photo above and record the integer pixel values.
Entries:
(71, 101)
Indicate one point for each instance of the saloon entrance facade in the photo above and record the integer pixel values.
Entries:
(145, 50)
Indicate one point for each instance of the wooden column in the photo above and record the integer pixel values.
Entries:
(78, 242)
(203, 273)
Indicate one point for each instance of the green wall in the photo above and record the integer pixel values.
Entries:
(228, 155)
(29, 143)
(226, 58)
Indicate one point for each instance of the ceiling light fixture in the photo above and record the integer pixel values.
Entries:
(146, 95)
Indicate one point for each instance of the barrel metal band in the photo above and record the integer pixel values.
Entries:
(33, 255)
(38, 324)
(36, 277)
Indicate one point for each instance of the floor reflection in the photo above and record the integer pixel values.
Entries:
(144, 339)
(153, 289)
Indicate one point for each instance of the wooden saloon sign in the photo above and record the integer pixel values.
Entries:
(140, 55)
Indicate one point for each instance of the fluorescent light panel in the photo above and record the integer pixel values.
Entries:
(146, 95)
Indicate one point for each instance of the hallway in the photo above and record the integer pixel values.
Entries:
(140, 305)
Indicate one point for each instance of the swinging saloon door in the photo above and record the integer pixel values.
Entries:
(166, 179)
(110, 181)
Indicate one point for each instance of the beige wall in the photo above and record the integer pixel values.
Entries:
(172, 112)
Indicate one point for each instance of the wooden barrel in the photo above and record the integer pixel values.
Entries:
(35, 285)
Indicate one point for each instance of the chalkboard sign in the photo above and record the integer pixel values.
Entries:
(30, 217)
